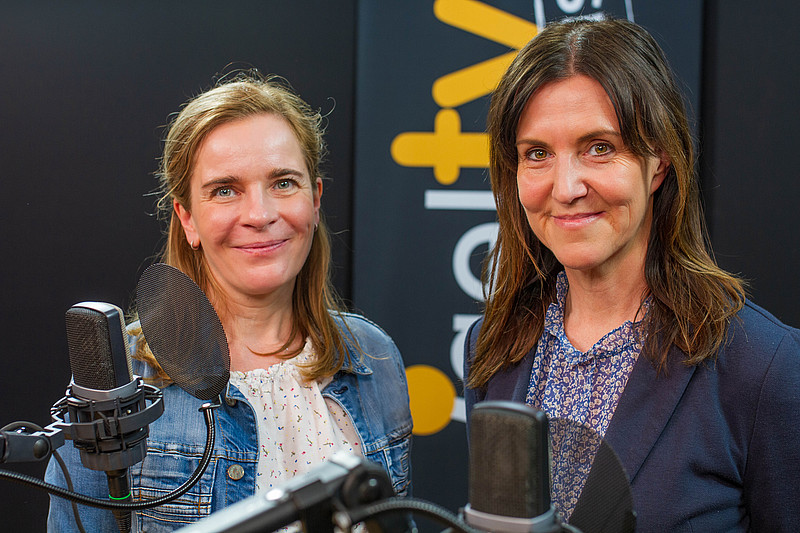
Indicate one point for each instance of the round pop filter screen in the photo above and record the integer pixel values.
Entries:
(183, 331)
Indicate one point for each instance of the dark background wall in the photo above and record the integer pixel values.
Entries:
(85, 87)
(750, 122)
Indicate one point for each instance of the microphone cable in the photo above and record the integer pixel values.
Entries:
(416, 506)
(16, 426)
(68, 480)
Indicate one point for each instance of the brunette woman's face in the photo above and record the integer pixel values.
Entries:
(587, 198)
(253, 206)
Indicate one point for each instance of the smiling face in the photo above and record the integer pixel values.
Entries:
(253, 207)
(586, 197)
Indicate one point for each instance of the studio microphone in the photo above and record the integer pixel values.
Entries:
(509, 470)
(103, 396)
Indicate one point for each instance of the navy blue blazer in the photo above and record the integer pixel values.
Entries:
(714, 447)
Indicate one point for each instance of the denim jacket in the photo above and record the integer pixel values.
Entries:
(373, 393)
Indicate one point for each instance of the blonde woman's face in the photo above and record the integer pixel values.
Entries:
(253, 208)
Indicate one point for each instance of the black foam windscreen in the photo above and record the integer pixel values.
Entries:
(510, 474)
(98, 346)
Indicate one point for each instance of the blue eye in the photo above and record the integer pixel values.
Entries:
(223, 192)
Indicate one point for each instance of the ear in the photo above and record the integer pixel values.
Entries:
(186, 221)
(660, 170)
(317, 192)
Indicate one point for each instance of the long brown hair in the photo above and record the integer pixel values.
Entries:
(693, 299)
(246, 95)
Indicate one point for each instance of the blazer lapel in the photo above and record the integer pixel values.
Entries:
(645, 407)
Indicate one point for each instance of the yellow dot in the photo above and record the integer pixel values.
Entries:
(432, 396)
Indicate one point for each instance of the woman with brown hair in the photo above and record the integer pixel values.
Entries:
(241, 187)
(604, 304)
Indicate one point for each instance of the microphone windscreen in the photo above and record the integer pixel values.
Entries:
(509, 460)
(98, 346)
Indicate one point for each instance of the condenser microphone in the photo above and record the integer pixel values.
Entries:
(509, 470)
(103, 395)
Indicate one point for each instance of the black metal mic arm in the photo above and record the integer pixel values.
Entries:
(19, 445)
(320, 499)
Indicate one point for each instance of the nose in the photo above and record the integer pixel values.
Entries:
(568, 183)
(259, 210)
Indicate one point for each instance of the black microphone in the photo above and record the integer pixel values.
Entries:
(102, 397)
(509, 470)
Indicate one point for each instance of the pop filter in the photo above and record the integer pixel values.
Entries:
(590, 486)
(183, 331)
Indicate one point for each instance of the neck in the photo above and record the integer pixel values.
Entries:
(257, 330)
(596, 305)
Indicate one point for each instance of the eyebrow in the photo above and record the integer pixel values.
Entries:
(278, 172)
(224, 180)
(583, 138)
(599, 133)
(229, 179)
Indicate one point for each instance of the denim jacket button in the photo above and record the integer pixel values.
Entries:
(235, 472)
(230, 401)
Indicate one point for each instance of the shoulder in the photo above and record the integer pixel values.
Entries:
(358, 330)
(760, 333)
(761, 358)
(371, 349)
(472, 335)
(764, 356)
(471, 396)
(470, 341)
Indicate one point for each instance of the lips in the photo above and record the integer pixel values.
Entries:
(576, 220)
(262, 246)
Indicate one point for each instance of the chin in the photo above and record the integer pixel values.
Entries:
(579, 267)
(579, 259)
(258, 288)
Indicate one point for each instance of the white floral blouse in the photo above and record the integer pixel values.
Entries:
(297, 427)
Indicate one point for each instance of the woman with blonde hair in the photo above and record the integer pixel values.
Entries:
(241, 186)
(604, 304)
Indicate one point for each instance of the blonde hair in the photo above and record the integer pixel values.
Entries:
(314, 298)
